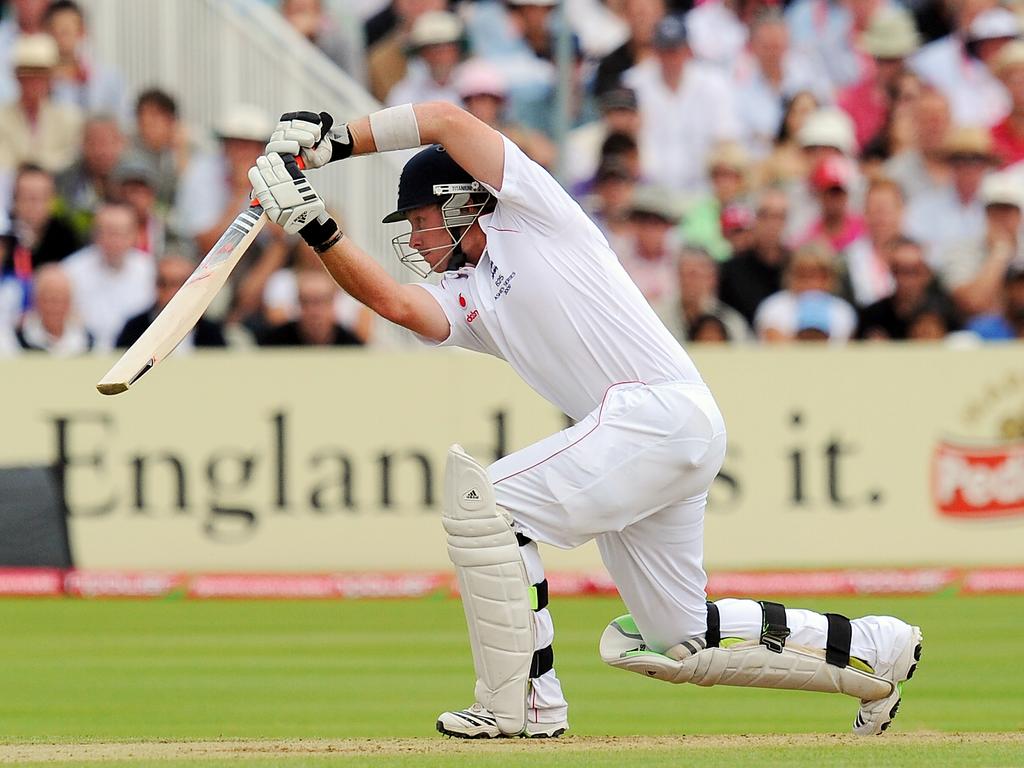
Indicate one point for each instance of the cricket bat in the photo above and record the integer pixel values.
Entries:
(187, 305)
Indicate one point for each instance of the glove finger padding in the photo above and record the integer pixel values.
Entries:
(284, 192)
(302, 132)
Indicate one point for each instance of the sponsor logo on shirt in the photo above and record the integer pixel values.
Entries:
(472, 316)
(502, 282)
(462, 301)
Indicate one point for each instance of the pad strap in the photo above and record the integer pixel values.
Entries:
(539, 595)
(774, 629)
(543, 661)
(837, 644)
(713, 636)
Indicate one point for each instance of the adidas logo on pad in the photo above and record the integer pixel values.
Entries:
(471, 495)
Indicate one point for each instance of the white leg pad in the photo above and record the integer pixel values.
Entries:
(495, 590)
(747, 664)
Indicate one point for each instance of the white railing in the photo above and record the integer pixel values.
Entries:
(211, 54)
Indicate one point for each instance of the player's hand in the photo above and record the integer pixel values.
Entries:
(312, 136)
(284, 192)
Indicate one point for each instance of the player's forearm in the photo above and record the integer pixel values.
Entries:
(363, 278)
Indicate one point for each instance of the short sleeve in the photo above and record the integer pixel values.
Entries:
(532, 193)
(459, 334)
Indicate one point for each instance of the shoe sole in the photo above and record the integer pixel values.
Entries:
(445, 732)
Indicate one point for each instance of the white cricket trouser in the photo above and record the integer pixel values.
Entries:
(634, 475)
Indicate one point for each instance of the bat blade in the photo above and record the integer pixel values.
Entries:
(186, 306)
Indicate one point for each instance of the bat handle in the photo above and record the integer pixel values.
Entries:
(298, 161)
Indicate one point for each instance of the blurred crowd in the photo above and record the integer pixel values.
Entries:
(823, 170)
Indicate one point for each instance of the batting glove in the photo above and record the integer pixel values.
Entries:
(289, 200)
(313, 135)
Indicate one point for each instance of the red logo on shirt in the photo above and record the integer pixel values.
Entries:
(472, 316)
(462, 300)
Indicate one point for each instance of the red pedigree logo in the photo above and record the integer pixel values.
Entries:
(978, 482)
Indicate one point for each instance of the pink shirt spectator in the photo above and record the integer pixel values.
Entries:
(852, 228)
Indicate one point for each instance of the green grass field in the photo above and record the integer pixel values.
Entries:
(360, 683)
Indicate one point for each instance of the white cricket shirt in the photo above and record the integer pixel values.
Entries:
(550, 297)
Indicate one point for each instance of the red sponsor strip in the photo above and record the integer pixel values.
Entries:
(344, 586)
(989, 580)
(31, 582)
(904, 581)
(316, 586)
(88, 583)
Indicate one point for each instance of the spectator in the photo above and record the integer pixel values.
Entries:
(35, 129)
(161, 140)
(608, 201)
(698, 299)
(976, 98)
(484, 94)
(112, 280)
(648, 253)
(386, 58)
(172, 270)
(954, 213)
(37, 236)
(1008, 135)
(867, 257)
(1009, 322)
(749, 277)
(685, 106)
(974, 272)
(914, 287)
(516, 36)
(890, 39)
(90, 179)
(78, 79)
(307, 17)
(641, 16)
(737, 224)
(728, 169)
(922, 167)
(806, 308)
(836, 225)
(708, 329)
(619, 114)
(717, 34)
(787, 164)
(898, 133)
(928, 324)
(316, 324)
(437, 43)
(215, 187)
(827, 31)
(768, 73)
(827, 133)
(51, 326)
(27, 19)
(135, 183)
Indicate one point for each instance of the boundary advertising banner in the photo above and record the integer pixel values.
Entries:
(306, 461)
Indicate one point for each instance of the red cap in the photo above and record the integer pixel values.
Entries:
(833, 172)
(736, 217)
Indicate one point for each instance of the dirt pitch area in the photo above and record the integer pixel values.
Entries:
(184, 750)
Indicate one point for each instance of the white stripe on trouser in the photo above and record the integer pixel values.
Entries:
(547, 703)
(742, 618)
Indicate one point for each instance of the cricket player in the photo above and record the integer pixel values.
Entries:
(527, 277)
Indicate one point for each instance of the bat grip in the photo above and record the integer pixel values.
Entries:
(298, 161)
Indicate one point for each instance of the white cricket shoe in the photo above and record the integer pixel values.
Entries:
(477, 722)
(897, 660)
